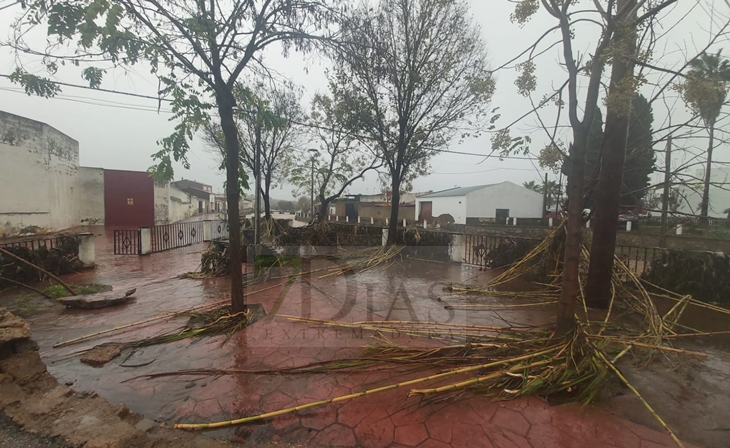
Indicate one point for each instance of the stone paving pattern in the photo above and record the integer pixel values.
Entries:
(388, 419)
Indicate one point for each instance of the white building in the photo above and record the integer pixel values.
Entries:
(494, 201)
(691, 195)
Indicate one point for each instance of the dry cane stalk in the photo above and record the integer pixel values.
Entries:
(358, 394)
(636, 392)
(471, 382)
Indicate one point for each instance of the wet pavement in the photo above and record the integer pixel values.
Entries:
(406, 291)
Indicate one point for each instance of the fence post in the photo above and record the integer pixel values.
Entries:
(679, 229)
(387, 221)
(456, 248)
(372, 220)
(358, 219)
(145, 241)
(337, 218)
(425, 224)
(404, 223)
(347, 218)
(207, 230)
(628, 226)
(87, 252)
(550, 222)
(385, 237)
(514, 221)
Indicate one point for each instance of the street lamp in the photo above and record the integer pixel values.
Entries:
(314, 154)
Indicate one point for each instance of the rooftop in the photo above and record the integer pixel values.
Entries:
(456, 191)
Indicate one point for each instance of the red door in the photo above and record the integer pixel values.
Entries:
(129, 199)
(426, 212)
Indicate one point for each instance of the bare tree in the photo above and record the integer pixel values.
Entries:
(341, 159)
(581, 110)
(415, 74)
(269, 125)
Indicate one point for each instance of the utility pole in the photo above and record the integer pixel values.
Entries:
(665, 195)
(545, 196)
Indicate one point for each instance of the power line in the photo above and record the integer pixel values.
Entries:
(93, 102)
(137, 95)
(99, 89)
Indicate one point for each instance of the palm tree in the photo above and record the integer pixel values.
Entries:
(532, 185)
(705, 91)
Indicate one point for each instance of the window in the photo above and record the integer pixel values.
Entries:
(130, 201)
(333, 211)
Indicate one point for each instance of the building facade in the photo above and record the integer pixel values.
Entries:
(494, 201)
(45, 189)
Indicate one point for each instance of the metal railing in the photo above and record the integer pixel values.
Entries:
(477, 247)
(36, 243)
(219, 229)
(638, 259)
(126, 242)
(173, 236)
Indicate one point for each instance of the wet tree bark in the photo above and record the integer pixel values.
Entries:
(704, 220)
(613, 155)
(226, 102)
(393, 224)
(265, 195)
(573, 238)
(324, 204)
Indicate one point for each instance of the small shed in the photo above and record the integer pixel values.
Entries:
(493, 201)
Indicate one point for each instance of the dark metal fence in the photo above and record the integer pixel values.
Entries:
(36, 243)
(126, 242)
(477, 247)
(173, 236)
(219, 229)
(638, 259)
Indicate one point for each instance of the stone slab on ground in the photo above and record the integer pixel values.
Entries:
(100, 355)
(99, 300)
(12, 327)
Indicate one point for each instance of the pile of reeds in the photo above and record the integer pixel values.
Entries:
(214, 261)
(213, 322)
(58, 260)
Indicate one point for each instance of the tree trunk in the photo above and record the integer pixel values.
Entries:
(395, 202)
(613, 155)
(225, 102)
(323, 205)
(704, 213)
(267, 199)
(570, 287)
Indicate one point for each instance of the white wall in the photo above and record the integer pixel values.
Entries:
(90, 184)
(521, 202)
(453, 205)
(181, 205)
(38, 162)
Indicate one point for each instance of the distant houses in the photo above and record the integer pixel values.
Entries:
(492, 202)
(46, 190)
(460, 205)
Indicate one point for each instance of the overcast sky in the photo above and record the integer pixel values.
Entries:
(120, 132)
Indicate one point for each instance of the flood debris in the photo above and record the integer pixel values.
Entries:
(100, 355)
(98, 300)
(512, 361)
